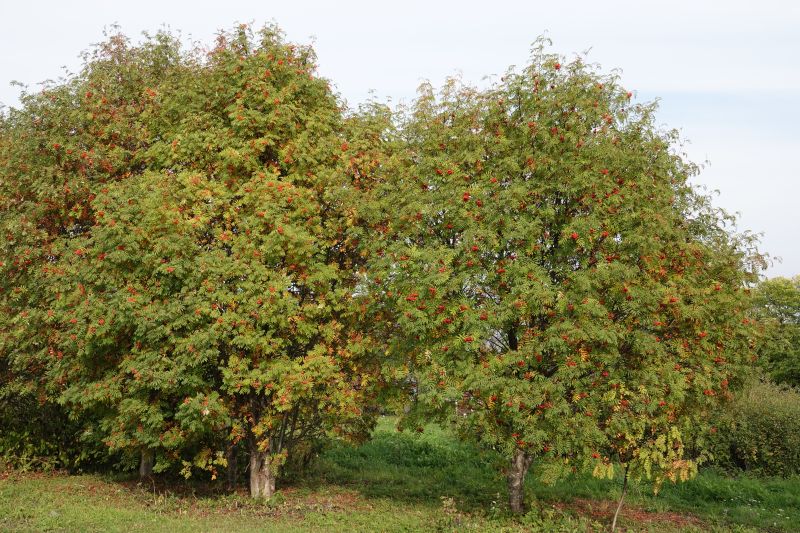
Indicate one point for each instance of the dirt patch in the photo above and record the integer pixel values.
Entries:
(603, 511)
(14, 475)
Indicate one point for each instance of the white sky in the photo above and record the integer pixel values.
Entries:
(727, 72)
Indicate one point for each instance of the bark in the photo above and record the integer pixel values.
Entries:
(520, 464)
(232, 470)
(146, 463)
(262, 475)
(621, 498)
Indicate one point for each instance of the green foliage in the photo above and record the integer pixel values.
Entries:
(776, 303)
(385, 467)
(416, 468)
(760, 432)
(366, 492)
(189, 278)
(38, 435)
(205, 252)
(55, 152)
(558, 287)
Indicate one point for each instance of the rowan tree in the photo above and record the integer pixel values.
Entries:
(213, 291)
(55, 151)
(554, 275)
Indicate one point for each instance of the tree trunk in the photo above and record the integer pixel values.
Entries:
(232, 470)
(146, 463)
(516, 481)
(262, 475)
(621, 499)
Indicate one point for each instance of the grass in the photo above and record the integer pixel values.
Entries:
(397, 482)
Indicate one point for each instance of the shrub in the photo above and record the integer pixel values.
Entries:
(38, 435)
(760, 432)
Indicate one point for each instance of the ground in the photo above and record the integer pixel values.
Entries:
(396, 482)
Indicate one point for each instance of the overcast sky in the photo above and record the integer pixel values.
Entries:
(727, 72)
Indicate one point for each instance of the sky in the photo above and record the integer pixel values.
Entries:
(726, 73)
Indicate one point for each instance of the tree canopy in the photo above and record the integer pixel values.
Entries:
(553, 273)
(777, 306)
(207, 255)
(201, 277)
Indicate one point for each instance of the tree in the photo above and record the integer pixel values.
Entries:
(553, 274)
(776, 304)
(211, 295)
(55, 152)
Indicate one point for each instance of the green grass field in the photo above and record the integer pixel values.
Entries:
(396, 482)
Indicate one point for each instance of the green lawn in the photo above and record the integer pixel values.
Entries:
(396, 482)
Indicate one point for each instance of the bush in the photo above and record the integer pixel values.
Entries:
(38, 435)
(761, 431)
